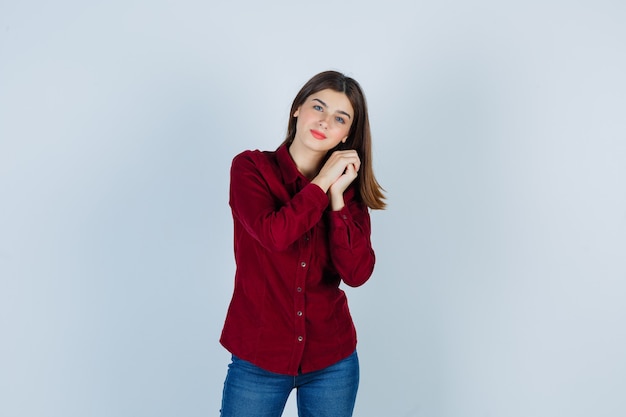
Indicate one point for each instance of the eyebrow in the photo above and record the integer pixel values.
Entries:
(326, 105)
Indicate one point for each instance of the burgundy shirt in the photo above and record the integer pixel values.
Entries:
(287, 313)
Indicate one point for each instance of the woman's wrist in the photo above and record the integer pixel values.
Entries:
(336, 201)
(319, 181)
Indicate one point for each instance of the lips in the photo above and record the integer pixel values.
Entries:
(317, 134)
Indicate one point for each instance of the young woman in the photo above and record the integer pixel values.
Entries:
(301, 226)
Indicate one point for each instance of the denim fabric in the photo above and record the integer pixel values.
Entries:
(250, 391)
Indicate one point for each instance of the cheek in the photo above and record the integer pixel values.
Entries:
(340, 134)
(300, 121)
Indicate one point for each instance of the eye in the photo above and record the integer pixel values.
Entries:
(318, 107)
(340, 119)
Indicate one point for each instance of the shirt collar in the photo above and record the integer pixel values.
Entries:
(287, 166)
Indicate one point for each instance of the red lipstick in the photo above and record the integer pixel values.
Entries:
(317, 134)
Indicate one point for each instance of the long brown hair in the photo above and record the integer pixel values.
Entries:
(359, 138)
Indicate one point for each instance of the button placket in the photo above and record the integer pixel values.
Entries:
(305, 255)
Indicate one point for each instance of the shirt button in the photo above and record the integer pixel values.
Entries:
(300, 338)
(299, 313)
(345, 217)
(303, 264)
(299, 289)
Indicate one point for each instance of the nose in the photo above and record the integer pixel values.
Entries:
(324, 121)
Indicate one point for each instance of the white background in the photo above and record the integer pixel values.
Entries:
(499, 134)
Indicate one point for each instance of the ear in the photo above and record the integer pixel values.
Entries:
(297, 112)
(344, 140)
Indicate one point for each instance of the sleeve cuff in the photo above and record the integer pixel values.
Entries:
(340, 217)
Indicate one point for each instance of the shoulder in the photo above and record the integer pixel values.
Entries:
(255, 157)
(261, 163)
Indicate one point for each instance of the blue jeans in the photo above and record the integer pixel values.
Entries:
(250, 391)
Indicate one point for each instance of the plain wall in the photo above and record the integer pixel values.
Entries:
(499, 134)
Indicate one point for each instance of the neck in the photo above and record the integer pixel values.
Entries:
(307, 161)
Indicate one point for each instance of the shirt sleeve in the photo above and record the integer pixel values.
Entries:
(350, 245)
(260, 202)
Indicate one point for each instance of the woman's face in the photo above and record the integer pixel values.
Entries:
(324, 120)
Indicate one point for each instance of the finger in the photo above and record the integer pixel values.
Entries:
(356, 164)
(356, 169)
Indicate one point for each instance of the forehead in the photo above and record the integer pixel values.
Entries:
(335, 100)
